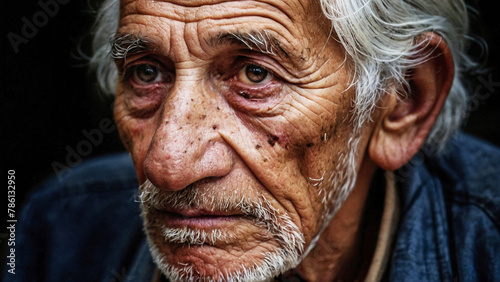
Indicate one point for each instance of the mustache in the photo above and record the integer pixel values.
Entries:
(220, 199)
(197, 195)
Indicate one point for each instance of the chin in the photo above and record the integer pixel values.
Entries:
(191, 239)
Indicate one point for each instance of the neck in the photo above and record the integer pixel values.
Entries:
(343, 251)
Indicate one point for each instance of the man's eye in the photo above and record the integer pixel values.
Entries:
(145, 73)
(254, 74)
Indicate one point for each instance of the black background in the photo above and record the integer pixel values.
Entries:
(46, 99)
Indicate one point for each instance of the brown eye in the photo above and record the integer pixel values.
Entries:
(146, 73)
(254, 74)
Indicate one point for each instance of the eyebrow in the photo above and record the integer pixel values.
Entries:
(255, 39)
(123, 45)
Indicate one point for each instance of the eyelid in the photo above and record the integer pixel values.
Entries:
(243, 61)
(144, 61)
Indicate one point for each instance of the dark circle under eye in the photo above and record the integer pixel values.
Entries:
(255, 73)
(146, 73)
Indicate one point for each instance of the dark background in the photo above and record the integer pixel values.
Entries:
(46, 99)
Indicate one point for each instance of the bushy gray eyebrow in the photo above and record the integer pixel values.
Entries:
(123, 45)
(260, 40)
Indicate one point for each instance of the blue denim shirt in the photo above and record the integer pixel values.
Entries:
(87, 226)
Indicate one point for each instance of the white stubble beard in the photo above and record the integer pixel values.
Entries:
(280, 226)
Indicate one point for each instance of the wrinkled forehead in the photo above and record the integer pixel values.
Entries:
(283, 12)
(296, 27)
(198, 9)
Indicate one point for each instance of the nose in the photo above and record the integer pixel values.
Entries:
(186, 146)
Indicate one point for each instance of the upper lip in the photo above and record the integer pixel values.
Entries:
(196, 212)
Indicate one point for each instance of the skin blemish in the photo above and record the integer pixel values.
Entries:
(257, 146)
(272, 140)
(218, 109)
(265, 160)
(309, 145)
(203, 116)
(214, 127)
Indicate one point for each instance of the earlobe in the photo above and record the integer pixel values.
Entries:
(404, 122)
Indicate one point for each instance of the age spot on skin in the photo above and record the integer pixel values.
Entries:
(272, 140)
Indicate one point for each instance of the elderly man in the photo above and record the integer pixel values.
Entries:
(291, 139)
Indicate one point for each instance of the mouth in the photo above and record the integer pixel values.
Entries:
(199, 218)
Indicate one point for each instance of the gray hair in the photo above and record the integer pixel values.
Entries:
(380, 38)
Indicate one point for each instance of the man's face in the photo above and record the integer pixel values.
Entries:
(237, 116)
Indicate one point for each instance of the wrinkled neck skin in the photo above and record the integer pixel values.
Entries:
(339, 254)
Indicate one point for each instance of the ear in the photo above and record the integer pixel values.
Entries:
(404, 123)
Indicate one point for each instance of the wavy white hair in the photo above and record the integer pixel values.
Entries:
(380, 37)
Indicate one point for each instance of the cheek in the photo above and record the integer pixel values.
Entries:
(311, 139)
(135, 133)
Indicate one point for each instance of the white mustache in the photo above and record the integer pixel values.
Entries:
(214, 200)
(219, 200)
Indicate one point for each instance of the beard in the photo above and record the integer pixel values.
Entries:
(334, 188)
(279, 226)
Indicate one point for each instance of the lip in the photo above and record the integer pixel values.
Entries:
(199, 219)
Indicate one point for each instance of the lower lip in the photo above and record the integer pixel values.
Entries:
(174, 220)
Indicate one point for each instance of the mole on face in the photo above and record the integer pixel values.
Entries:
(272, 139)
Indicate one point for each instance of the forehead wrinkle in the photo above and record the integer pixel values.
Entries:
(205, 8)
(217, 10)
